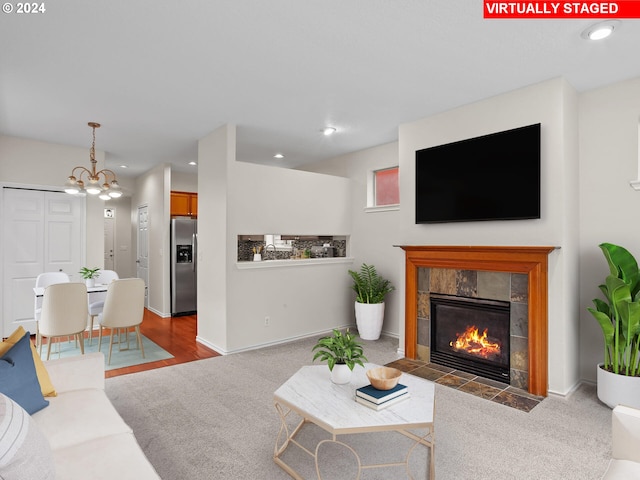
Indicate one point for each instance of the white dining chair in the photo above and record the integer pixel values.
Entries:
(96, 300)
(64, 313)
(123, 309)
(44, 280)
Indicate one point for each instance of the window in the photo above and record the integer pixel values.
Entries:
(278, 242)
(383, 191)
(386, 187)
(636, 183)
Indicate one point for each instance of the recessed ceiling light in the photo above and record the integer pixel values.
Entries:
(328, 131)
(124, 166)
(600, 30)
(278, 155)
(193, 163)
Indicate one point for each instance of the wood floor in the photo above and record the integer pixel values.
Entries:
(177, 335)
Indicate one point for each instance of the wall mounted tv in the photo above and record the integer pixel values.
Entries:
(493, 177)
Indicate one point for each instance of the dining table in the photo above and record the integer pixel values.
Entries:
(97, 288)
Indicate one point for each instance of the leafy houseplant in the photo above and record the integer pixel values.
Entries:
(619, 319)
(339, 349)
(370, 289)
(88, 273)
(369, 286)
(619, 316)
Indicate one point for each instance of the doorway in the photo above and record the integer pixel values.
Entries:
(42, 231)
(142, 260)
(109, 242)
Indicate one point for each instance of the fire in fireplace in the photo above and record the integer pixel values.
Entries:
(471, 334)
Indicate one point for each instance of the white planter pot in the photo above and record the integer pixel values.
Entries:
(369, 317)
(90, 282)
(340, 374)
(616, 389)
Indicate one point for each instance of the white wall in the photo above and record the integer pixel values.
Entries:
(374, 234)
(608, 205)
(553, 104)
(301, 299)
(215, 152)
(153, 190)
(184, 182)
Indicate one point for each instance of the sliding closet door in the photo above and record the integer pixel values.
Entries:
(42, 232)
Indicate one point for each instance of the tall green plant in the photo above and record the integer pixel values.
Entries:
(619, 316)
(369, 286)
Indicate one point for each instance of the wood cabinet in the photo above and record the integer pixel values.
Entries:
(184, 204)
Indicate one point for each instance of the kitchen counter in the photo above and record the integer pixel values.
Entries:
(293, 263)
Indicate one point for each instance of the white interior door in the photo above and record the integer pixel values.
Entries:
(142, 260)
(42, 232)
(109, 263)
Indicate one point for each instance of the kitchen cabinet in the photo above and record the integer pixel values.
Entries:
(184, 204)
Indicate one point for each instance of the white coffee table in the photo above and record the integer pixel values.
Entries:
(311, 395)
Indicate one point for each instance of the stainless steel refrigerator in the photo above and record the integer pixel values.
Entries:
(184, 266)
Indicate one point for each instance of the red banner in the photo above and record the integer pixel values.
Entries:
(562, 9)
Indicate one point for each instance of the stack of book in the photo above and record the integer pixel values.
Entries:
(379, 399)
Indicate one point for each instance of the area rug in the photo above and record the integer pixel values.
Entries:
(119, 358)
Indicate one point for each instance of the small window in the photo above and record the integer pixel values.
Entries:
(385, 184)
(636, 183)
(278, 242)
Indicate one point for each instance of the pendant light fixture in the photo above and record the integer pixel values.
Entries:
(92, 182)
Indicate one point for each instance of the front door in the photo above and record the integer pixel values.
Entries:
(42, 232)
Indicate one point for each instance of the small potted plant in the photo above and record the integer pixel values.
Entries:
(90, 275)
(619, 319)
(342, 352)
(370, 289)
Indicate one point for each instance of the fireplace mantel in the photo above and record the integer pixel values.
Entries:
(530, 260)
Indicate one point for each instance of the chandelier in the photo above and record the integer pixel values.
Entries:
(92, 181)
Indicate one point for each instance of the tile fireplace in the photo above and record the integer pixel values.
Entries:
(530, 262)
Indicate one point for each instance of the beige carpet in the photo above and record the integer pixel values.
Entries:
(214, 419)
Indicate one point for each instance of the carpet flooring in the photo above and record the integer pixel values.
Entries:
(119, 358)
(215, 419)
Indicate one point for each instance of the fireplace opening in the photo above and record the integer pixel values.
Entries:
(471, 334)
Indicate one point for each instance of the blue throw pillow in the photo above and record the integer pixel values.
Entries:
(18, 378)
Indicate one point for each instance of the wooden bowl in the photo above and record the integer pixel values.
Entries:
(384, 378)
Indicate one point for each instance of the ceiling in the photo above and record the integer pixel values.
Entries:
(160, 75)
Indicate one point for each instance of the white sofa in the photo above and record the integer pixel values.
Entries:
(88, 438)
(625, 433)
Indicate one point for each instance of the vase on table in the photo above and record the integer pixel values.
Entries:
(341, 374)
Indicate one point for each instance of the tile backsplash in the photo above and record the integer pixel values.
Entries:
(246, 244)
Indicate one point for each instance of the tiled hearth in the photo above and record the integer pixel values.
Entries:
(465, 382)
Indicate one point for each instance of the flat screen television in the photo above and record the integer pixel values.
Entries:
(492, 177)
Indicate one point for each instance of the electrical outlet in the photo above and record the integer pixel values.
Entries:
(267, 320)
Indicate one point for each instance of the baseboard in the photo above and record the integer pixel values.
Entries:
(257, 346)
(568, 392)
(160, 314)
